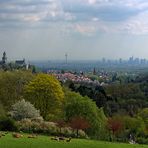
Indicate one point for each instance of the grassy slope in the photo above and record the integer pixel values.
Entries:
(45, 142)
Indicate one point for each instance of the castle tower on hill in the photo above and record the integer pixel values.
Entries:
(4, 58)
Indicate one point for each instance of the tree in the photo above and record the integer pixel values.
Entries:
(126, 91)
(134, 125)
(114, 125)
(61, 124)
(79, 123)
(46, 93)
(12, 86)
(78, 106)
(23, 109)
(94, 92)
(128, 98)
(144, 115)
(33, 69)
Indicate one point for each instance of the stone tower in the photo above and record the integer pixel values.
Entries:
(4, 58)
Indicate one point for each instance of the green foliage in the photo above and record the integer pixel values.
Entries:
(142, 140)
(76, 105)
(134, 125)
(7, 124)
(125, 91)
(12, 85)
(93, 77)
(2, 111)
(96, 93)
(144, 115)
(125, 99)
(46, 93)
(123, 127)
(23, 109)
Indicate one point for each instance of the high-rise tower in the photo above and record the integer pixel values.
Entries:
(66, 58)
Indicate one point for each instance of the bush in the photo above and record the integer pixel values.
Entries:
(142, 140)
(50, 128)
(7, 124)
(67, 132)
(2, 111)
(23, 109)
(82, 134)
(37, 126)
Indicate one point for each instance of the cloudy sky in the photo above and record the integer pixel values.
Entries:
(85, 29)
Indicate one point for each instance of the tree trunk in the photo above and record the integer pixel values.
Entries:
(77, 133)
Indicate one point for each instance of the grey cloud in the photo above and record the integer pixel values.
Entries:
(106, 12)
(67, 10)
(14, 11)
(115, 13)
(14, 6)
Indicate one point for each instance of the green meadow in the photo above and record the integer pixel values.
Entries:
(45, 142)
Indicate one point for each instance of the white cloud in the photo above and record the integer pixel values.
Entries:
(85, 29)
(115, 16)
(92, 1)
(137, 25)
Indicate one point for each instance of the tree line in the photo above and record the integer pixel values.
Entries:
(95, 110)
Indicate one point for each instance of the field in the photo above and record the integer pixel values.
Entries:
(45, 142)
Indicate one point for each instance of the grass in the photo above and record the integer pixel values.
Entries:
(45, 142)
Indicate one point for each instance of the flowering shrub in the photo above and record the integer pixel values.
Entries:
(23, 109)
(44, 127)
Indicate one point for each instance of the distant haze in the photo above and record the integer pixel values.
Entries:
(84, 29)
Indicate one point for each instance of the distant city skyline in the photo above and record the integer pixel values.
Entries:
(129, 60)
(84, 29)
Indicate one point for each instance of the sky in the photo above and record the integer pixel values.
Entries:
(84, 29)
